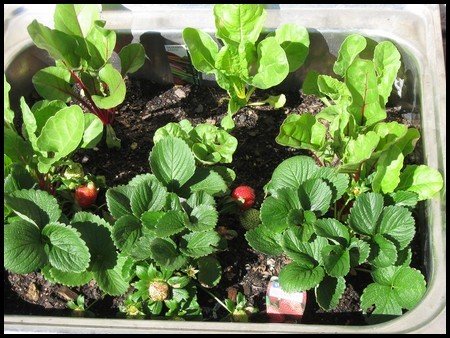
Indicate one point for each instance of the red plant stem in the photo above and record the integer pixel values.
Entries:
(317, 159)
(102, 114)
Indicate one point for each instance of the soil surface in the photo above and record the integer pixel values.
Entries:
(148, 107)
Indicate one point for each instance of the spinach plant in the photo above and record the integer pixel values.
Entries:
(300, 220)
(245, 62)
(40, 152)
(82, 48)
(351, 133)
(169, 217)
(209, 144)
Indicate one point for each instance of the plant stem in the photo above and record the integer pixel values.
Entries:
(363, 270)
(249, 93)
(317, 158)
(217, 299)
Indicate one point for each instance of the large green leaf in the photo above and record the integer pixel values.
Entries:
(315, 195)
(209, 271)
(76, 19)
(202, 49)
(116, 88)
(338, 182)
(24, 249)
(70, 278)
(359, 251)
(365, 213)
(172, 162)
(97, 235)
(207, 180)
(15, 147)
(18, 179)
(421, 179)
(273, 66)
(148, 195)
(291, 173)
(398, 225)
(171, 223)
(165, 254)
(126, 232)
(336, 260)
(199, 198)
(302, 131)
(334, 89)
(332, 229)
(203, 218)
(118, 200)
(67, 251)
(45, 109)
(295, 278)
(300, 252)
(390, 133)
(387, 174)
(132, 57)
(100, 45)
(360, 149)
(294, 40)
(263, 240)
(53, 83)
(59, 45)
(276, 211)
(383, 252)
(111, 281)
(350, 49)
(329, 292)
(199, 244)
(62, 132)
(361, 80)
(238, 23)
(386, 59)
(35, 206)
(93, 131)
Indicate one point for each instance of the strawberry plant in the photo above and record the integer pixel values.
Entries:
(82, 47)
(209, 144)
(245, 62)
(351, 133)
(299, 220)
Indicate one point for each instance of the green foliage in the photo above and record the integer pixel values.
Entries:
(82, 49)
(239, 310)
(210, 144)
(246, 62)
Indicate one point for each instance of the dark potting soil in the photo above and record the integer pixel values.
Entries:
(148, 107)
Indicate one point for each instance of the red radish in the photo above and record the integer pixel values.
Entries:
(86, 195)
(245, 195)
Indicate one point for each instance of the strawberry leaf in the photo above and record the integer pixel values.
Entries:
(171, 223)
(332, 229)
(203, 218)
(383, 252)
(70, 278)
(262, 239)
(199, 244)
(398, 225)
(148, 195)
(126, 232)
(209, 271)
(336, 260)
(118, 200)
(329, 292)
(365, 213)
(315, 195)
(165, 254)
(295, 278)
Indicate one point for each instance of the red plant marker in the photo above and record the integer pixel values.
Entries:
(245, 195)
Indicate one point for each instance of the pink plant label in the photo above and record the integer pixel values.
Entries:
(282, 306)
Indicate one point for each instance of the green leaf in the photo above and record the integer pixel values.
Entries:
(118, 200)
(132, 57)
(295, 278)
(383, 252)
(329, 292)
(359, 251)
(165, 254)
(149, 220)
(332, 229)
(16, 148)
(291, 173)
(310, 86)
(71, 278)
(334, 89)
(202, 49)
(273, 66)
(100, 45)
(96, 233)
(59, 45)
(8, 114)
(294, 40)
(93, 131)
(275, 211)
(200, 198)
(365, 213)
(76, 19)
(174, 129)
(361, 148)
(386, 59)
(203, 218)
(262, 239)
(141, 249)
(227, 122)
(199, 244)
(405, 198)
(338, 182)
(398, 225)
(171, 223)
(390, 133)
(302, 131)
(300, 252)
(111, 281)
(116, 88)
(126, 232)
(361, 80)
(18, 179)
(408, 142)
(29, 122)
(24, 250)
(148, 195)
(173, 202)
(207, 180)
(236, 24)
(62, 132)
(387, 174)
(277, 101)
(53, 83)
(315, 195)
(421, 179)
(336, 260)
(67, 251)
(350, 49)
(394, 288)
(172, 162)
(45, 109)
(209, 271)
(35, 206)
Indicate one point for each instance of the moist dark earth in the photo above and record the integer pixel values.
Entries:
(149, 106)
